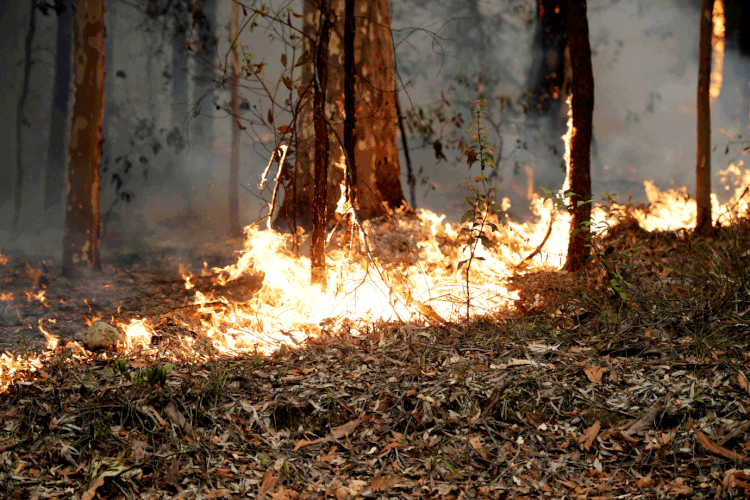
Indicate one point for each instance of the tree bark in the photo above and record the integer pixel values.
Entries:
(322, 148)
(54, 183)
(20, 118)
(703, 222)
(82, 216)
(235, 228)
(582, 104)
(350, 121)
(378, 184)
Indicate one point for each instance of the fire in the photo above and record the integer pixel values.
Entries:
(717, 42)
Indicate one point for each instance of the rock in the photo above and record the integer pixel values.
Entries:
(100, 335)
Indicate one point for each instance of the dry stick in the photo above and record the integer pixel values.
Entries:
(424, 309)
(278, 185)
(541, 245)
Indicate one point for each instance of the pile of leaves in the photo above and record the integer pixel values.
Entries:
(632, 388)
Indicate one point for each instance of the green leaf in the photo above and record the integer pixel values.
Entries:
(486, 243)
(283, 59)
(468, 215)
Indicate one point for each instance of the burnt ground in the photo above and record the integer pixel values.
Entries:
(629, 380)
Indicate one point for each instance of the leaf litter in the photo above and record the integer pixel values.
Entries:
(557, 401)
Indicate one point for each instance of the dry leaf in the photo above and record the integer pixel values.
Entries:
(269, 481)
(89, 494)
(588, 436)
(477, 445)
(347, 428)
(742, 379)
(594, 373)
(380, 483)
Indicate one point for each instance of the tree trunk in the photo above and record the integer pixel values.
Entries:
(319, 208)
(20, 119)
(582, 104)
(82, 217)
(111, 110)
(235, 228)
(350, 76)
(703, 222)
(378, 184)
(54, 183)
(205, 61)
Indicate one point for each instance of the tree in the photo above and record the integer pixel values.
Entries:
(703, 222)
(582, 104)
(378, 185)
(82, 216)
(20, 118)
(205, 56)
(322, 150)
(54, 184)
(235, 228)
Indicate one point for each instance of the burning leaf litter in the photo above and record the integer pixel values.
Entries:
(551, 395)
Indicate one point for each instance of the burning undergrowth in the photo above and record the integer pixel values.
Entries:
(557, 385)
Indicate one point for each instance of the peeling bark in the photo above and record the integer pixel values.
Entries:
(82, 216)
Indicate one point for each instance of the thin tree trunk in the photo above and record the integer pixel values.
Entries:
(409, 171)
(235, 228)
(82, 216)
(54, 183)
(320, 205)
(703, 222)
(582, 104)
(20, 118)
(205, 64)
(350, 120)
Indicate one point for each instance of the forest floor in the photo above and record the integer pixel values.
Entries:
(629, 380)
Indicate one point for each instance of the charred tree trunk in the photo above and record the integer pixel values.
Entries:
(703, 222)
(54, 182)
(205, 62)
(350, 121)
(235, 228)
(319, 208)
(378, 184)
(82, 217)
(579, 169)
(20, 118)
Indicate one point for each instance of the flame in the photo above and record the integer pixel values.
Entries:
(717, 42)
(4, 259)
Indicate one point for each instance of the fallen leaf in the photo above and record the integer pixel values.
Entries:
(588, 436)
(345, 429)
(269, 481)
(477, 445)
(594, 373)
(742, 379)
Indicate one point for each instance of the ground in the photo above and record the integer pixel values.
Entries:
(627, 381)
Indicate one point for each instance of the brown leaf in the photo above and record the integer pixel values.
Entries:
(380, 483)
(269, 481)
(715, 448)
(594, 373)
(477, 445)
(588, 436)
(287, 82)
(742, 379)
(284, 129)
(347, 428)
(91, 492)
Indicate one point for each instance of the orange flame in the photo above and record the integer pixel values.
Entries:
(717, 42)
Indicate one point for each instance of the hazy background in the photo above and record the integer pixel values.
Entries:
(645, 70)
